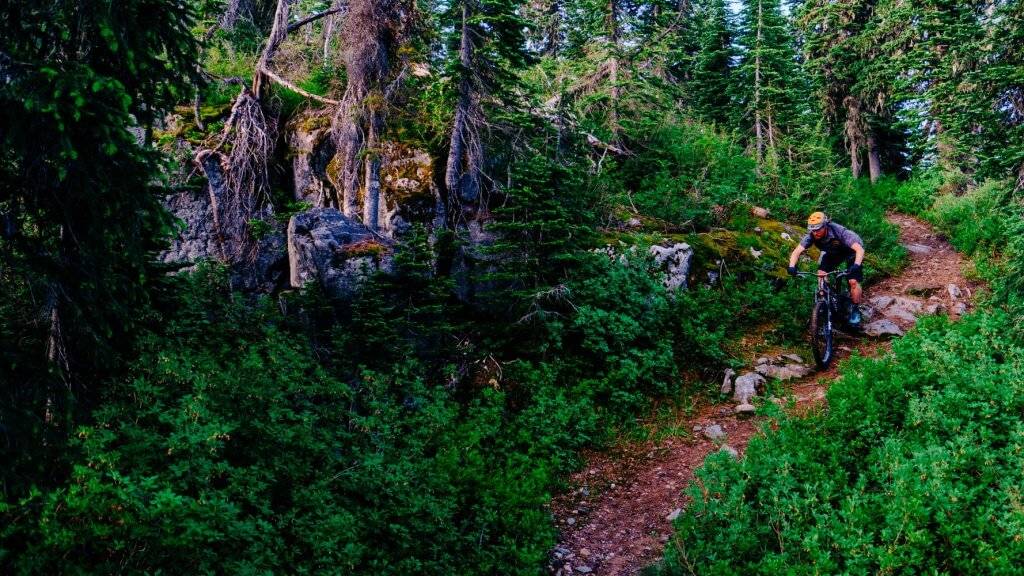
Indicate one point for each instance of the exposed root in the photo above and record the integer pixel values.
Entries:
(239, 182)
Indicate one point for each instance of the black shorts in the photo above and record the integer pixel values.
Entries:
(829, 261)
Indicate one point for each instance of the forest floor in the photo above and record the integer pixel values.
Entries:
(617, 515)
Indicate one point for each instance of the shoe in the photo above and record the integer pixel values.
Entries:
(854, 315)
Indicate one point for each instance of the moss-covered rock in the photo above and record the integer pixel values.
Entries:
(749, 244)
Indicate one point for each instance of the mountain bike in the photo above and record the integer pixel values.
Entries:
(831, 309)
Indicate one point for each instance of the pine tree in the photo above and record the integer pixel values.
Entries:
(971, 55)
(995, 114)
(80, 86)
(486, 45)
(710, 78)
(768, 85)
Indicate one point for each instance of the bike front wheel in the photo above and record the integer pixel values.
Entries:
(821, 335)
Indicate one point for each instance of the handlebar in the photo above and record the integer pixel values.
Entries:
(837, 273)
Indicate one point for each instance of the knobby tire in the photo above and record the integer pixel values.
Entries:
(821, 336)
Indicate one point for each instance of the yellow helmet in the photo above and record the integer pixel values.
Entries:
(816, 221)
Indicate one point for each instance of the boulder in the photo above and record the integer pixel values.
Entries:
(909, 304)
(881, 328)
(786, 372)
(745, 410)
(197, 238)
(408, 193)
(339, 253)
(954, 291)
(907, 309)
(263, 267)
(880, 302)
(312, 149)
(747, 386)
(759, 211)
(675, 260)
(727, 381)
(714, 432)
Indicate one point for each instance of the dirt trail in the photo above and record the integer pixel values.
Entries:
(617, 515)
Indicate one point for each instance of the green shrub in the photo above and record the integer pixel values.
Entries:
(232, 450)
(687, 168)
(976, 221)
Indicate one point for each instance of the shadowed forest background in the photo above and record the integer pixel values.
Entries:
(195, 377)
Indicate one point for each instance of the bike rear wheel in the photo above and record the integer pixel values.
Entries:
(821, 335)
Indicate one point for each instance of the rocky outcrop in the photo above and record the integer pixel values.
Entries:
(261, 265)
(675, 261)
(471, 261)
(196, 239)
(320, 244)
(882, 328)
(329, 248)
(744, 389)
(785, 367)
(408, 193)
(312, 149)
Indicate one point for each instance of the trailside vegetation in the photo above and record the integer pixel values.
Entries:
(166, 421)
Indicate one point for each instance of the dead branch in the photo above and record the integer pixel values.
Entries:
(297, 90)
(315, 17)
(596, 143)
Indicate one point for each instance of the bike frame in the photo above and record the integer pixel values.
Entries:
(830, 295)
(826, 292)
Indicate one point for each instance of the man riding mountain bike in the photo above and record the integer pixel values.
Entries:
(838, 244)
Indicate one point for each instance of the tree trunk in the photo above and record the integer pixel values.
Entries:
(371, 204)
(945, 150)
(465, 156)
(854, 134)
(758, 131)
(874, 163)
(278, 33)
(348, 137)
(613, 66)
(358, 124)
(552, 29)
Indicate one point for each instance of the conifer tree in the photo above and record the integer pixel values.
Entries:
(80, 87)
(768, 84)
(709, 80)
(486, 45)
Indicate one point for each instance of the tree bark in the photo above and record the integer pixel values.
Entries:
(278, 33)
(874, 163)
(613, 66)
(465, 155)
(854, 134)
(371, 205)
(758, 131)
(369, 45)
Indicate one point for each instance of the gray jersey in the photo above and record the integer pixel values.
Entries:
(837, 239)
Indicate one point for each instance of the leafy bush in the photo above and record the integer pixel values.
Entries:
(686, 168)
(976, 220)
(232, 450)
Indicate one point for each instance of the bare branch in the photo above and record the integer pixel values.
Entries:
(314, 17)
(298, 90)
